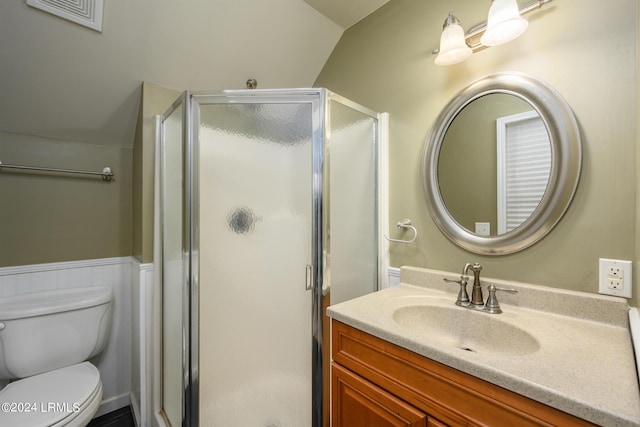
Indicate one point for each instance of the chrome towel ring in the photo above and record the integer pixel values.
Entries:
(405, 223)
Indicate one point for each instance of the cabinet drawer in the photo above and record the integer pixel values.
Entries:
(449, 395)
(358, 403)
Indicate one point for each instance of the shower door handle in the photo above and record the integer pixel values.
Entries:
(309, 277)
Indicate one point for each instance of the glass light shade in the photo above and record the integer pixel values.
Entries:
(504, 23)
(453, 48)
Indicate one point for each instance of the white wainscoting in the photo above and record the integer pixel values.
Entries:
(394, 276)
(142, 368)
(115, 362)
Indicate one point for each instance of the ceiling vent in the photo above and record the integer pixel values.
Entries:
(83, 12)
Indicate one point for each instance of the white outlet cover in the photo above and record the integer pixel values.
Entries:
(625, 267)
(483, 228)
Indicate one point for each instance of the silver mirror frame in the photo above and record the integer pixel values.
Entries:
(566, 162)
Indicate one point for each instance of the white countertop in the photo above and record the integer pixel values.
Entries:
(585, 363)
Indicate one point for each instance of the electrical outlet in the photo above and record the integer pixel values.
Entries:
(483, 228)
(615, 277)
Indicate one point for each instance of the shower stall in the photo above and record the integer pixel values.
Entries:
(269, 211)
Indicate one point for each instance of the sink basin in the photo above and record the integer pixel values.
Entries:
(464, 328)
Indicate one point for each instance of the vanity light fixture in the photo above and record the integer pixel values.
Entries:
(505, 23)
(453, 47)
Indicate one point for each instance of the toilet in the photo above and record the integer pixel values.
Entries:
(46, 339)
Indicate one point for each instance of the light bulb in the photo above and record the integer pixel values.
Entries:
(504, 23)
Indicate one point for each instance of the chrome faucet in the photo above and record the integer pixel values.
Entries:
(463, 296)
(476, 292)
(476, 302)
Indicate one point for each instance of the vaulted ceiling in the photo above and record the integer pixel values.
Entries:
(61, 80)
(345, 12)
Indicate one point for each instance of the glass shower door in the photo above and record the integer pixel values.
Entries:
(173, 351)
(264, 193)
(353, 201)
(254, 202)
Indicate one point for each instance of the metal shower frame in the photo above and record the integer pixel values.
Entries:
(319, 99)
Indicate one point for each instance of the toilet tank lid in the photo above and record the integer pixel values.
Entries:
(60, 300)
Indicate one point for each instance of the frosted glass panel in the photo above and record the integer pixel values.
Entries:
(255, 204)
(172, 274)
(353, 203)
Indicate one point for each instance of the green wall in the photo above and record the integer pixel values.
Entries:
(637, 220)
(52, 217)
(586, 49)
(48, 217)
(155, 100)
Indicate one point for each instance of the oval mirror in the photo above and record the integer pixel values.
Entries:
(501, 163)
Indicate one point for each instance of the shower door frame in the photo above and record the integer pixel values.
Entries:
(315, 97)
(319, 99)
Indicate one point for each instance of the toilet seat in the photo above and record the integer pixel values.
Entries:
(67, 396)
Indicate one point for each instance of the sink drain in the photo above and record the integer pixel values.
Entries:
(468, 349)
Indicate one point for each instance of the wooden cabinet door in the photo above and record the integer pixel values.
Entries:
(358, 403)
(432, 422)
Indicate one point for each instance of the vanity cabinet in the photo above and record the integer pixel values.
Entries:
(376, 383)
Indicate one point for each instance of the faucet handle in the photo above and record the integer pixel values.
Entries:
(463, 296)
(492, 305)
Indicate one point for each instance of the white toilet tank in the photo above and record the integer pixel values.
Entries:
(43, 331)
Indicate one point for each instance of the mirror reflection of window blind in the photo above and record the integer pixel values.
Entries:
(524, 165)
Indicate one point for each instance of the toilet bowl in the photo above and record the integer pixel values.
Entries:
(63, 397)
(45, 341)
